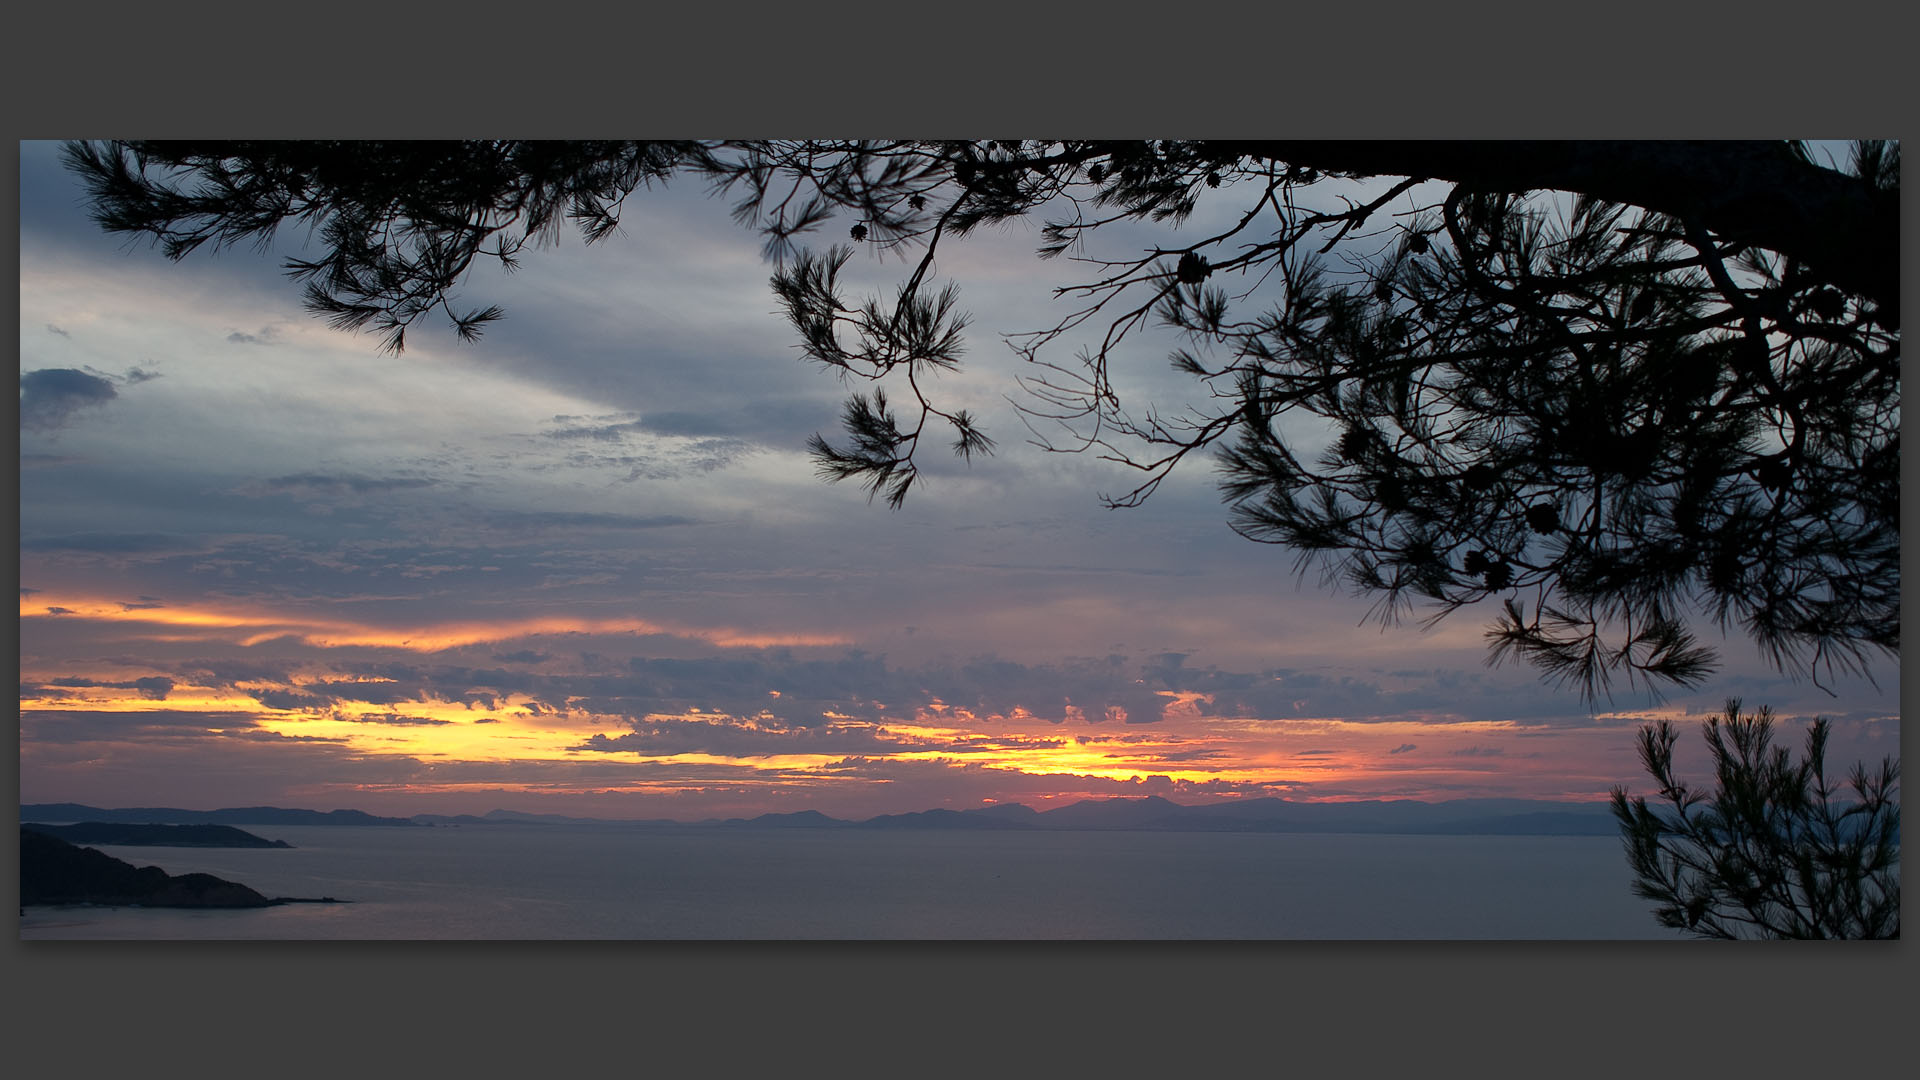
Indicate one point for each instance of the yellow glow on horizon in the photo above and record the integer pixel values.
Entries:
(110, 700)
(1188, 747)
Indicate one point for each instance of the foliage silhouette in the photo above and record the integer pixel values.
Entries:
(1769, 853)
(1606, 384)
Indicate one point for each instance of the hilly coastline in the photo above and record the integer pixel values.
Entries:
(1492, 817)
(1500, 817)
(1496, 817)
(238, 815)
(128, 835)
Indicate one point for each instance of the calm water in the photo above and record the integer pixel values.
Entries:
(597, 882)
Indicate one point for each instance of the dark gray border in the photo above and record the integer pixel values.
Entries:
(1361, 1009)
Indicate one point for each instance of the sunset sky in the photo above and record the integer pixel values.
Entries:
(584, 566)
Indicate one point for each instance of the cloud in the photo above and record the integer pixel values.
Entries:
(77, 726)
(312, 486)
(392, 718)
(1402, 748)
(1478, 751)
(52, 329)
(727, 738)
(289, 700)
(155, 687)
(524, 656)
(594, 432)
(371, 693)
(620, 441)
(50, 397)
(266, 336)
(106, 543)
(47, 461)
(1191, 755)
(560, 519)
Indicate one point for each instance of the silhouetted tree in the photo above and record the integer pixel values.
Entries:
(1604, 383)
(1770, 852)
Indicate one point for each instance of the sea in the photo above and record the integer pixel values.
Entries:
(609, 882)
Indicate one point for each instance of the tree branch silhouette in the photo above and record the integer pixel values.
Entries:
(1603, 384)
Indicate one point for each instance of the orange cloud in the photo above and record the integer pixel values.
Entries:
(251, 627)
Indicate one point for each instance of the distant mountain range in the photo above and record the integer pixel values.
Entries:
(239, 815)
(1507, 817)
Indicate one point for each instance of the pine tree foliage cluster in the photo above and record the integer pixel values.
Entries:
(1777, 849)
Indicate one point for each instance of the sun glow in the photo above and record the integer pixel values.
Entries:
(1190, 747)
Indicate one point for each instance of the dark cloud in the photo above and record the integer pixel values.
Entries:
(808, 693)
(44, 692)
(596, 432)
(701, 456)
(1402, 748)
(1190, 755)
(107, 543)
(986, 744)
(52, 329)
(267, 336)
(781, 421)
(1477, 751)
(686, 424)
(154, 687)
(393, 718)
(226, 671)
(961, 784)
(340, 485)
(373, 693)
(50, 397)
(729, 738)
(290, 699)
(530, 519)
(78, 726)
(244, 767)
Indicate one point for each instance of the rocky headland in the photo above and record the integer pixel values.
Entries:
(53, 871)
